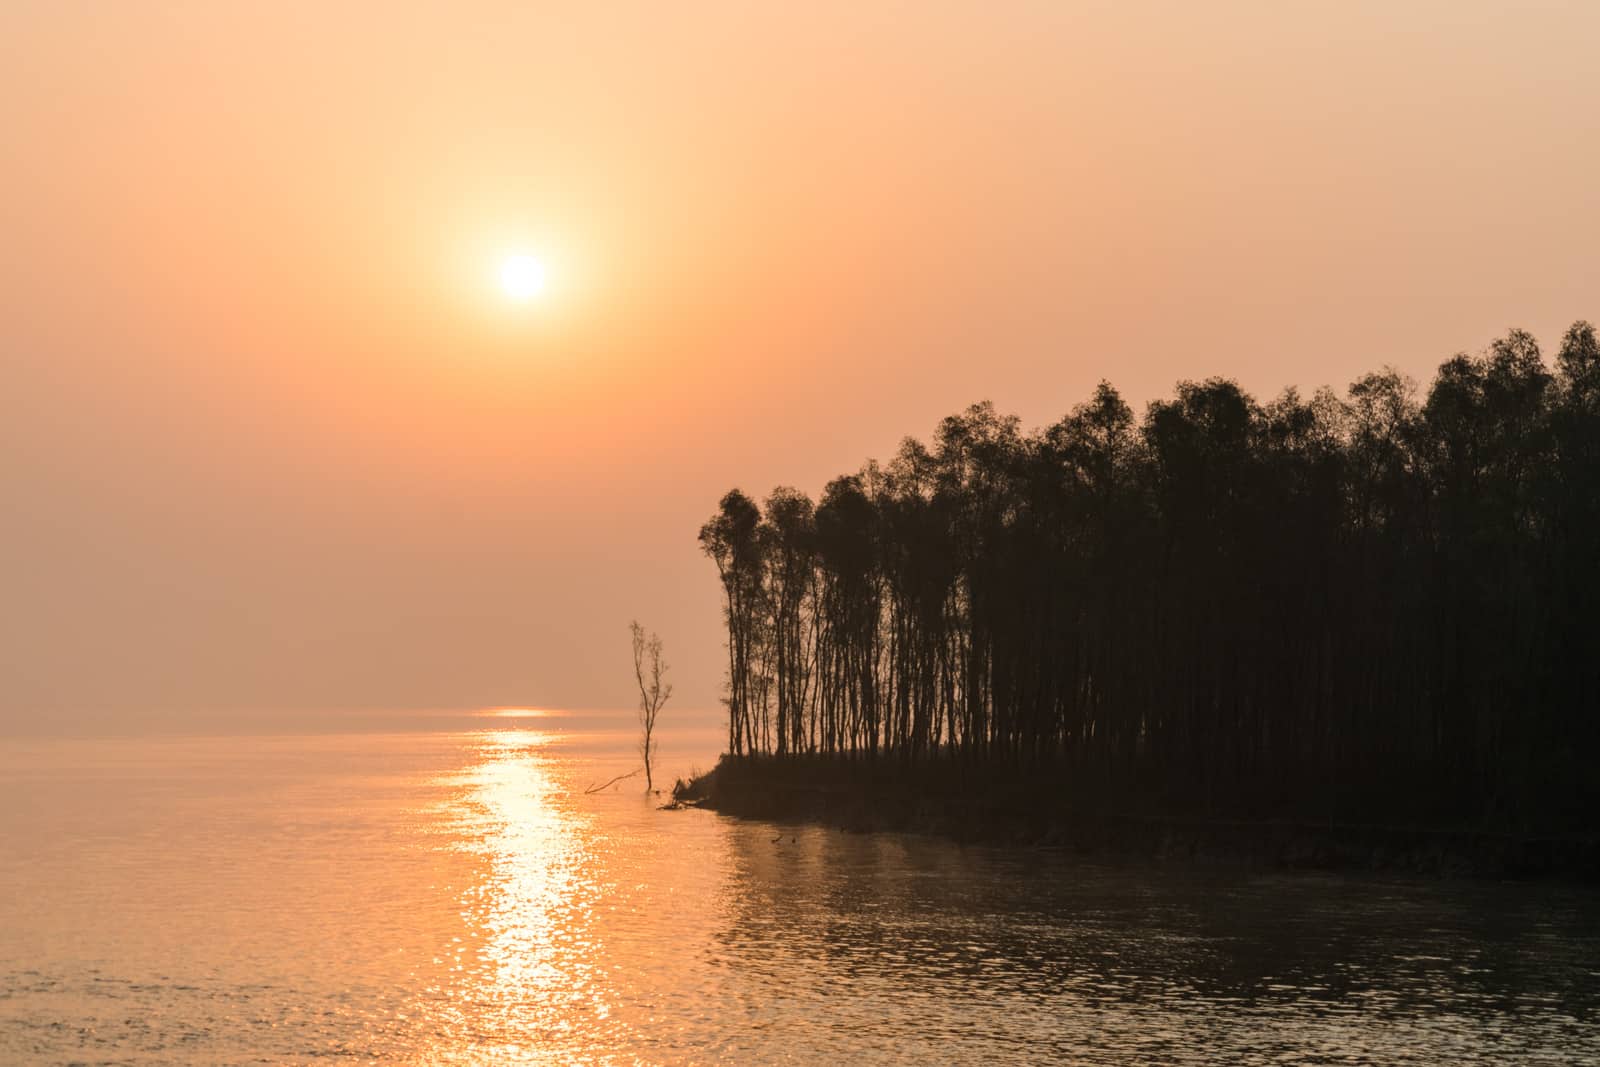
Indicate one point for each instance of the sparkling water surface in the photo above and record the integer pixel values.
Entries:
(458, 896)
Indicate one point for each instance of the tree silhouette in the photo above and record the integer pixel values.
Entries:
(1360, 606)
(650, 672)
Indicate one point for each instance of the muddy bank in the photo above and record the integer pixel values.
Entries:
(863, 798)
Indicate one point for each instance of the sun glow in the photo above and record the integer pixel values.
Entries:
(519, 713)
(522, 277)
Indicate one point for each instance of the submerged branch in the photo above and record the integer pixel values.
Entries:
(608, 785)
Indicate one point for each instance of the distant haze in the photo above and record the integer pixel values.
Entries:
(271, 438)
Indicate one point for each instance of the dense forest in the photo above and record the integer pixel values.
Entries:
(1380, 603)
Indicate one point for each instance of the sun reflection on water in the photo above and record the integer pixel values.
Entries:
(524, 971)
(520, 713)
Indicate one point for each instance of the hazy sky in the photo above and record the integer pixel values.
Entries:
(271, 438)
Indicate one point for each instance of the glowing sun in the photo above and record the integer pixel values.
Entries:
(522, 277)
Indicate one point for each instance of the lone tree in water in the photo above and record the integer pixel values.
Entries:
(648, 670)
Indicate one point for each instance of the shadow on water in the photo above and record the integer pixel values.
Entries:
(974, 949)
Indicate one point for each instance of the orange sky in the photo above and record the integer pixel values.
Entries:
(272, 439)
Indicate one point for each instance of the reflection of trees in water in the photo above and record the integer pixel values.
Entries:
(921, 915)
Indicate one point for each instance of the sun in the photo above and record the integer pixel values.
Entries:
(522, 277)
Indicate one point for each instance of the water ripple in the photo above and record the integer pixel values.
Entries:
(451, 899)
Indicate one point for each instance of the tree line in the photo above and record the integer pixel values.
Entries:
(1376, 603)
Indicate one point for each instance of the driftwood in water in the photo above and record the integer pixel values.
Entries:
(608, 785)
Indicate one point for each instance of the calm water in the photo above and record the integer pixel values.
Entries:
(456, 897)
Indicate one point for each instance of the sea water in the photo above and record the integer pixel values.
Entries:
(469, 891)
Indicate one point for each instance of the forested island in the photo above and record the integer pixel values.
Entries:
(1373, 610)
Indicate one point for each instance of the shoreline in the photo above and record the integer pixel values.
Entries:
(861, 798)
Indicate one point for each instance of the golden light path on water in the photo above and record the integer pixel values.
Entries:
(526, 962)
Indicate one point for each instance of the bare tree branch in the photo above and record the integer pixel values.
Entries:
(653, 691)
(608, 785)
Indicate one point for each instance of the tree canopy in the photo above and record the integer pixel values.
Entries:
(1375, 603)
